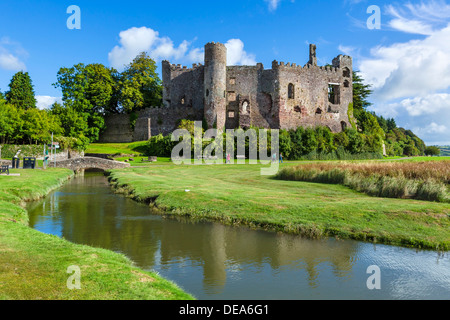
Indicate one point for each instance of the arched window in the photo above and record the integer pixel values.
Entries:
(245, 107)
(291, 91)
(346, 72)
(343, 125)
(346, 84)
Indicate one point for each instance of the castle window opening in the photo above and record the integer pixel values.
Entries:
(231, 114)
(231, 96)
(346, 72)
(346, 84)
(232, 80)
(245, 107)
(343, 125)
(318, 111)
(183, 101)
(207, 92)
(291, 91)
(333, 93)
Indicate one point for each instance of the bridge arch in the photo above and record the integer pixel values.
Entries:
(79, 164)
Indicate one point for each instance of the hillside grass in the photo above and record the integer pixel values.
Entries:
(132, 148)
(239, 195)
(33, 265)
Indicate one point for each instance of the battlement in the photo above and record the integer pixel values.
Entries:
(288, 65)
(277, 64)
(329, 69)
(213, 44)
(178, 67)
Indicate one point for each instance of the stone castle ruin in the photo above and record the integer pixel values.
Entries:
(228, 97)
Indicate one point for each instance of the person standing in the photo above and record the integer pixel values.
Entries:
(281, 158)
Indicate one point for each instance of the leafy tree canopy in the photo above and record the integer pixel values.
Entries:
(21, 91)
(140, 85)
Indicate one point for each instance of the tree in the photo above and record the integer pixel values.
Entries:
(11, 123)
(285, 144)
(140, 85)
(432, 151)
(39, 124)
(21, 92)
(361, 92)
(355, 141)
(89, 91)
(73, 123)
(391, 125)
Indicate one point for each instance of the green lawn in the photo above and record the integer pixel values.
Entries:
(238, 194)
(135, 148)
(33, 265)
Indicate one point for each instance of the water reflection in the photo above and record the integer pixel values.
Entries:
(214, 261)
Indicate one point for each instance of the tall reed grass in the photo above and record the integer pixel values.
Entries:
(411, 180)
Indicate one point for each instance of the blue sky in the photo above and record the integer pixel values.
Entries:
(407, 60)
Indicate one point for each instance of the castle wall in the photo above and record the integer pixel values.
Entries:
(163, 120)
(182, 86)
(308, 103)
(284, 97)
(117, 130)
(254, 85)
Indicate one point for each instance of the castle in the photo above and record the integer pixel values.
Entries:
(227, 97)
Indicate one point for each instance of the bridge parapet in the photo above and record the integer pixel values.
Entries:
(77, 164)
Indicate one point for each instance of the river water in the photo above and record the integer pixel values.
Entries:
(212, 261)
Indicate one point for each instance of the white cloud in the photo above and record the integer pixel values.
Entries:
(411, 80)
(428, 105)
(197, 55)
(273, 4)
(411, 26)
(408, 24)
(427, 116)
(10, 62)
(236, 55)
(136, 40)
(417, 67)
(11, 54)
(347, 50)
(45, 102)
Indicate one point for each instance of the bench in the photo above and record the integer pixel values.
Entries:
(4, 169)
(240, 157)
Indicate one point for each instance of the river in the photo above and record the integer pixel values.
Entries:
(212, 261)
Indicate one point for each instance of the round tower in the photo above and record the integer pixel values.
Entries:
(215, 84)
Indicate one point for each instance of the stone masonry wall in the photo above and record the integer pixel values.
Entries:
(284, 97)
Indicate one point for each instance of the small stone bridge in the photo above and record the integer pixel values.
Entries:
(78, 164)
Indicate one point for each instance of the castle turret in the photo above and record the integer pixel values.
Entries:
(215, 84)
(312, 55)
(166, 80)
